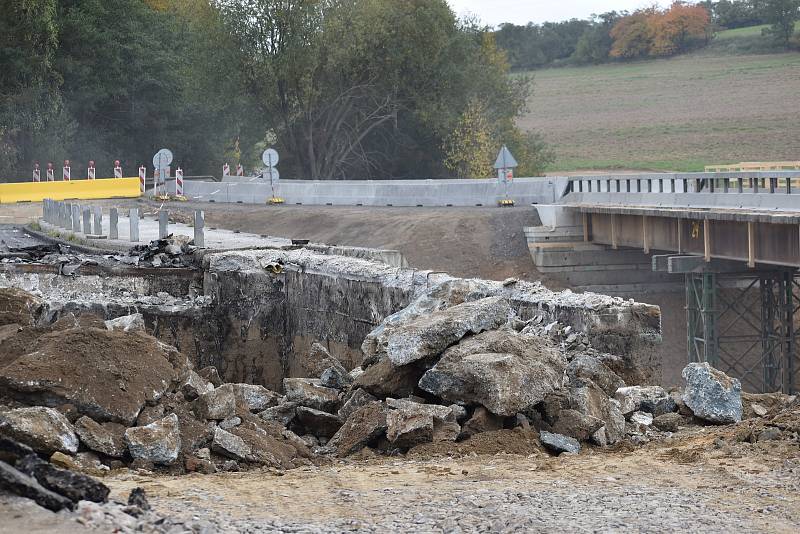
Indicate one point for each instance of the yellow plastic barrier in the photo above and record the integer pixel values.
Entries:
(80, 189)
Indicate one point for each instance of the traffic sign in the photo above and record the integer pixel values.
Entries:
(270, 157)
(162, 158)
(505, 160)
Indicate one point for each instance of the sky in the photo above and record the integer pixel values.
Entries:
(494, 12)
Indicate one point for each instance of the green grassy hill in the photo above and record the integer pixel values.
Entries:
(724, 104)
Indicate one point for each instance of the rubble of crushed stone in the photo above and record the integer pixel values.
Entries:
(82, 397)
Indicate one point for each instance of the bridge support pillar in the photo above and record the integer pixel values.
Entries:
(743, 323)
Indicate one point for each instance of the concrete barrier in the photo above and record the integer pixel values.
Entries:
(467, 192)
(83, 189)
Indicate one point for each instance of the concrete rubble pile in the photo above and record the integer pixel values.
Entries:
(91, 395)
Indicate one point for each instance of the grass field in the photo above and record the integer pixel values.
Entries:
(677, 114)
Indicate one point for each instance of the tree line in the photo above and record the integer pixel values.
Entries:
(648, 32)
(352, 89)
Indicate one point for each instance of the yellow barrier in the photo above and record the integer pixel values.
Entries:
(81, 189)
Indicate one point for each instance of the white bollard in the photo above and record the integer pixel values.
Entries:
(239, 170)
(142, 179)
(179, 182)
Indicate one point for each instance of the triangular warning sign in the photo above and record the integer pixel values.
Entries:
(505, 160)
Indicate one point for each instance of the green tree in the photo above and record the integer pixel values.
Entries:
(468, 149)
(595, 44)
(29, 98)
(782, 16)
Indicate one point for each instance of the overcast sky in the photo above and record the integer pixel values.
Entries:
(494, 12)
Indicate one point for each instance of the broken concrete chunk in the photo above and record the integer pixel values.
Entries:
(253, 397)
(229, 423)
(118, 372)
(158, 442)
(210, 373)
(283, 413)
(556, 443)
(150, 414)
(127, 323)
(12, 450)
(384, 379)
(640, 398)
(586, 367)
(504, 371)
(356, 399)
(45, 430)
(336, 377)
(311, 394)
(194, 386)
(74, 486)
(577, 425)
(318, 423)
(405, 429)
(668, 422)
(430, 334)
(589, 399)
(18, 307)
(711, 394)
(218, 404)
(107, 438)
(18, 483)
(230, 445)
(364, 427)
(642, 418)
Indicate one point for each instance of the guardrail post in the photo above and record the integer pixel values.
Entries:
(788, 186)
(638, 185)
(76, 218)
(199, 229)
(754, 182)
(726, 182)
(87, 221)
(113, 223)
(649, 186)
(163, 224)
(740, 184)
(98, 220)
(133, 218)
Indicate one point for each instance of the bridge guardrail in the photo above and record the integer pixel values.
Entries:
(775, 182)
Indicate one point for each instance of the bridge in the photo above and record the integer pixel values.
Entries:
(730, 240)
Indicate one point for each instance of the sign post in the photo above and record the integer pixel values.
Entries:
(270, 158)
(161, 162)
(505, 165)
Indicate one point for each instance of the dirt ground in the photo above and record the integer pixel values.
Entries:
(688, 483)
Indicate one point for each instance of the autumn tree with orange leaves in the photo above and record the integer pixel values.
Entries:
(654, 32)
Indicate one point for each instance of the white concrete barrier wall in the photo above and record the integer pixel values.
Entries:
(467, 192)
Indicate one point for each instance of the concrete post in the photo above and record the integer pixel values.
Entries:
(63, 211)
(163, 224)
(199, 229)
(98, 220)
(133, 217)
(76, 217)
(87, 221)
(113, 224)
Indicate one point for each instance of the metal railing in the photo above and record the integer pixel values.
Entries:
(785, 182)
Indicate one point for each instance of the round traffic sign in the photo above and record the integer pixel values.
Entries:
(270, 157)
(162, 158)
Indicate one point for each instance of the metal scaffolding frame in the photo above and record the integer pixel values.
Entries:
(744, 325)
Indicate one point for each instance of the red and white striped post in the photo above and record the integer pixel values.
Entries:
(179, 182)
(91, 173)
(118, 169)
(239, 170)
(51, 174)
(65, 175)
(226, 170)
(142, 178)
(37, 172)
